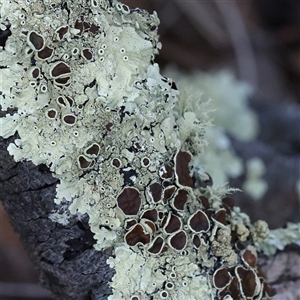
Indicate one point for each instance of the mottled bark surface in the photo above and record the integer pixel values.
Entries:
(283, 272)
(62, 254)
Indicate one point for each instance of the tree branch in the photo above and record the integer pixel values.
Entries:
(63, 254)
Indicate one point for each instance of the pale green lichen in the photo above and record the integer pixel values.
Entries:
(61, 218)
(87, 100)
(218, 158)
(232, 115)
(254, 184)
(279, 238)
(228, 97)
(178, 273)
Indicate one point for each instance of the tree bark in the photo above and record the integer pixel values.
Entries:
(283, 273)
(63, 255)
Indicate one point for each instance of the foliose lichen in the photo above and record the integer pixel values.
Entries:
(231, 115)
(279, 238)
(85, 97)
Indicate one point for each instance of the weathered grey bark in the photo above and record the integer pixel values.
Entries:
(283, 272)
(63, 255)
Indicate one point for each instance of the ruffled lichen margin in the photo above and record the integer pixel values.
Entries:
(82, 91)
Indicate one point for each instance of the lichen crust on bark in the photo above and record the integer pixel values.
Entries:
(82, 90)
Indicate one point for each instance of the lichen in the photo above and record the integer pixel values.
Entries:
(231, 114)
(279, 238)
(254, 183)
(228, 97)
(86, 99)
(173, 277)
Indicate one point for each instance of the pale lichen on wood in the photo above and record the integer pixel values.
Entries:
(87, 99)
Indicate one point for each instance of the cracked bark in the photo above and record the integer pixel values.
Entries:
(62, 254)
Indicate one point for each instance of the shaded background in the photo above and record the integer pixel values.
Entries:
(260, 41)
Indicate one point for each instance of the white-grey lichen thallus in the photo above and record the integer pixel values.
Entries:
(82, 91)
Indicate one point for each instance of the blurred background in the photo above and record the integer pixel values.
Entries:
(258, 39)
(252, 47)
